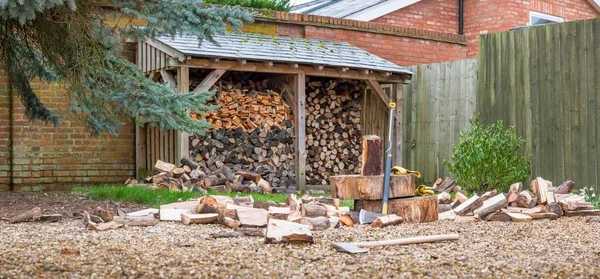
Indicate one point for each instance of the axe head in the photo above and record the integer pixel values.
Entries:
(348, 248)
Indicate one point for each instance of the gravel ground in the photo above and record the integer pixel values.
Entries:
(568, 247)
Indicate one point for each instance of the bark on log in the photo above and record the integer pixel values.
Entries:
(280, 231)
(412, 210)
(468, 206)
(369, 187)
(207, 218)
(565, 188)
(32, 214)
(249, 175)
(189, 162)
(372, 156)
(313, 210)
(497, 216)
(213, 180)
(280, 213)
(526, 200)
(228, 234)
(387, 220)
(51, 217)
(443, 207)
(259, 232)
(316, 223)
(591, 212)
(444, 198)
(491, 205)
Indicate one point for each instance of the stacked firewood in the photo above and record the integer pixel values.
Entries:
(333, 132)
(542, 201)
(267, 152)
(192, 177)
(243, 105)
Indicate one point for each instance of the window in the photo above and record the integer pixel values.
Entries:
(536, 18)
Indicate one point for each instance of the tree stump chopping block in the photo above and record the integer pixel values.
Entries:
(358, 187)
(412, 210)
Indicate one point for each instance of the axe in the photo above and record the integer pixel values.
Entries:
(356, 247)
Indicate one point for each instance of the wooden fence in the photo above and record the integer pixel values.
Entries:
(546, 82)
(438, 105)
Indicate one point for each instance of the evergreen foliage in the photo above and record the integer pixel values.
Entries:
(68, 41)
(274, 5)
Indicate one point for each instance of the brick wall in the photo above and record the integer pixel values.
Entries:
(438, 15)
(46, 157)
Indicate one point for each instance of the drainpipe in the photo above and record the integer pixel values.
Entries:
(461, 11)
(11, 135)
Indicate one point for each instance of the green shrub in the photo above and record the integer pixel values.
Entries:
(488, 158)
(274, 5)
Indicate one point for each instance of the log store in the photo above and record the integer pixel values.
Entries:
(290, 108)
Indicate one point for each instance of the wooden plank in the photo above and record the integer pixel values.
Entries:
(376, 87)
(169, 78)
(209, 81)
(370, 187)
(300, 130)
(140, 150)
(285, 69)
(182, 140)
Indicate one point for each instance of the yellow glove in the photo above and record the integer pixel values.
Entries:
(424, 191)
(402, 171)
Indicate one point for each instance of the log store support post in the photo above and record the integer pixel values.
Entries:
(182, 146)
(398, 125)
(300, 129)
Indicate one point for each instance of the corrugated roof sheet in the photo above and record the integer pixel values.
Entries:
(335, 8)
(282, 49)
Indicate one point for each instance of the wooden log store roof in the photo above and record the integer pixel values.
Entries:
(272, 51)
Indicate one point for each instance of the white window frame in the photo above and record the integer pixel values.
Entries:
(552, 18)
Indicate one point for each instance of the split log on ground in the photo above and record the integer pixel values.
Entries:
(207, 204)
(189, 162)
(593, 219)
(497, 216)
(313, 210)
(367, 217)
(455, 204)
(265, 186)
(491, 205)
(29, 215)
(138, 221)
(387, 220)
(536, 209)
(280, 213)
(590, 212)
(330, 201)
(372, 152)
(444, 198)
(206, 218)
(544, 215)
(104, 226)
(539, 188)
(550, 197)
(442, 207)
(96, 219)
(51, 217)
(347, 220)
(259, 232)
(172, 211)
(223, 201)
(228, 234)
(369, 187)
(468, 206)
(570, 198)
(164, 166)
(488, 195)
(459, 196)
(576, 206)
(228, 211)
(413, 210)
(280, 231)
(229, 222)
(407, 241)
(354, 215)
(445, 186)
(556, 208)
(249, 175)
(512, 197)
(213, 180)
(266, 205)
(565, 188)
(316, 223)
(517, 217)
(516, 187)
(104, 213)
(246, 201)
(252, 217)
(526, 200)
(448, 215)
(331, 210)
(465, 219)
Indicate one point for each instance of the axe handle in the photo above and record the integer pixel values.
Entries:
(388, 158)
(410, 240)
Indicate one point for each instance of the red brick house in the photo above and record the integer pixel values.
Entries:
(464, 17)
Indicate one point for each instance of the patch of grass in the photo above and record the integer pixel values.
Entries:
(155, 198)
